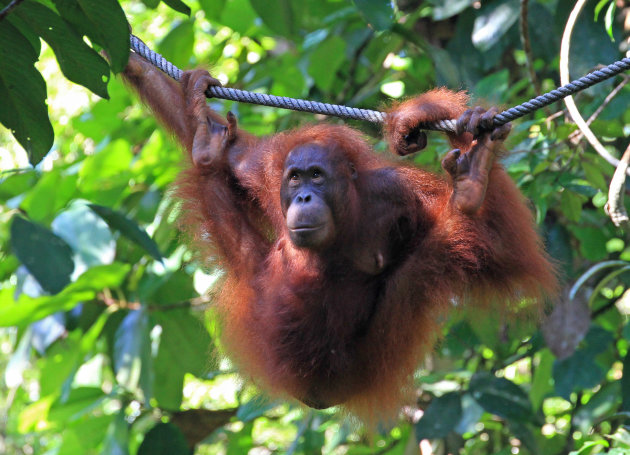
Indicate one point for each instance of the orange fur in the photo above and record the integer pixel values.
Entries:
(311, 324)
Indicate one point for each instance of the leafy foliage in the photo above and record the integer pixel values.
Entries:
(109, 340)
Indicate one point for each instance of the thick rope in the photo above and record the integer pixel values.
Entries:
(375, 116)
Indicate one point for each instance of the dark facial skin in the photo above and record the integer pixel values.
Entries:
(310, 182)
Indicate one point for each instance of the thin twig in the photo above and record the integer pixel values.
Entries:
(10, 7)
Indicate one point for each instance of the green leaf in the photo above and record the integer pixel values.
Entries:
(603, 403)
(107, 171)
(132, 351)
(254, 408)
(61, 360)
(51, 193)
(84, 435)
(278, 15)
(25, 30)
(571, 205)
(525, 435)
(326, 60)
(79, 402)
(501, 397)
(164, 439)
(580, 371)
(212, 8)
(575, 372)
(46, 256)
(23, 108)
(167, 289)
(379, 14)
(592, 242)
(117, 438)
(239, 16)
(185, 342)
(471, 413)
(27, 309)
(16, 184)
(609, 19)
(448, 8)
(99, 278)
(89, 236)
(78, 61)
(185, 347)
(588, 447)
(177, 46)
(595, 175)
(542, 383)
(559, 247)
(493, 22)
(598, 8)
(129, 229)
(104, 22)
(491, 87)
(178, 5)
(441, 417)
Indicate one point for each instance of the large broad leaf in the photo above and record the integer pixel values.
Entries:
(46, 256)
(164, 439)
(580, 371)
(117, 439)
(278, 15)
(51, 193)
(177, 46)
(104, 22)
(325, 61)
(23, 108)
(178, 5)
(185, 342)
(603, 403)
(132, 352)
(83, 436)
(493, 21)
(501, 397)
(87, 233)
(129, 229)
(64, 358)
(78, 61)
(592, 242)
(441, 417)
(185, 347)
(379, 14)
(239, 16)
(542, 383)
(443, 9)
(169, 288)
(212, 8)
(254, 408)
(28, 309)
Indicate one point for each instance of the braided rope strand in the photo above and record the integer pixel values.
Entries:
(376, 116)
